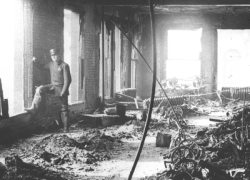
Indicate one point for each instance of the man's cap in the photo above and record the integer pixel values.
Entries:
(54, 51)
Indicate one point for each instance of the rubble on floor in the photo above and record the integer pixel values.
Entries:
(220, 152)
(60, 153)
(217, 152)
(17, 169)
(68, 155)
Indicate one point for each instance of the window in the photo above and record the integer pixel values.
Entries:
(109, 62)
(233, 58)
(11, 56)
(134, 59)
(183, 60)
(72, 53)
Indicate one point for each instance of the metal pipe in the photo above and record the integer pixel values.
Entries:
(103, 93)
(153, 90)
(174, 100)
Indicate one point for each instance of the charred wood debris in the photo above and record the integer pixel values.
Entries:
(220, 152)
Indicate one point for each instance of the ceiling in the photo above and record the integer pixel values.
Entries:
(183, 6)
(192, 9)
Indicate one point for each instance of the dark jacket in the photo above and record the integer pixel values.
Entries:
(60, 75)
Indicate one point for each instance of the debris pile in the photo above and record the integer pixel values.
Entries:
(175, 113)
(60, 153)
(216, 152)
(221, 152)
(17, 169)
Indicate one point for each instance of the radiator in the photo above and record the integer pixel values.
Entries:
(236, 93)
(174, 101)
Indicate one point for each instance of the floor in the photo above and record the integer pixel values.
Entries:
(112, 149)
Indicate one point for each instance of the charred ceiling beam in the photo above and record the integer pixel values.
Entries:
(170, 2)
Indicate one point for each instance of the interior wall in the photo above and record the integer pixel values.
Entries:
(208, 56)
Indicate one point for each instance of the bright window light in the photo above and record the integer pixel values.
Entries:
(71, 51)
(233, 58)
(184, 44)
(184, 47)
(10, 19)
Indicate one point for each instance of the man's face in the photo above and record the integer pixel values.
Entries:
(55, 57)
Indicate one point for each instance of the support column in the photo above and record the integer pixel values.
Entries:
(208, 58)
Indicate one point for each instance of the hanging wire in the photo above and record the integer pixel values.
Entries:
(152, 93)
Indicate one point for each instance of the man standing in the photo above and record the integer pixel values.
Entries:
(60, 82)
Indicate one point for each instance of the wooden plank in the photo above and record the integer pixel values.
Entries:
(136, 103)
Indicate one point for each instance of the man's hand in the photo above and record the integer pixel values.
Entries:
(34, 59)
(63, 94)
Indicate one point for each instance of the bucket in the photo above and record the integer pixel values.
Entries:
(120, 110)
(163, 140)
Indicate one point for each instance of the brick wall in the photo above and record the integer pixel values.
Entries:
(47, 34)
(91, 55)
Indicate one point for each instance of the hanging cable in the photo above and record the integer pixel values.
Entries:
(152, 93)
